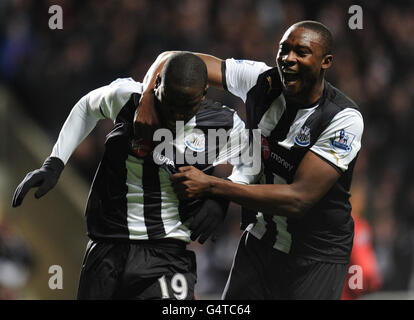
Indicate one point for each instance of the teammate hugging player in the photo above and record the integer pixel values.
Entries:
(299, 245)
(137, 227)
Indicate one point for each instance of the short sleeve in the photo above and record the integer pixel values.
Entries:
(241, 76)
(340, 142)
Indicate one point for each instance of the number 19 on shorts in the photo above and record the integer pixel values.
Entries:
(178, 286)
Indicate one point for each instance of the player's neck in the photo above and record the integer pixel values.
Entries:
(308, 98)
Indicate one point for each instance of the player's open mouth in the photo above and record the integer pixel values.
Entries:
(290, 76)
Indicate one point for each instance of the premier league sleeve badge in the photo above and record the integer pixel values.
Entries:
(342, 141)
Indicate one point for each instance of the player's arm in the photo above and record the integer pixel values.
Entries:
(146, 119)
(318, 171)
(214, 66)
(97, 104)
(236, 76)
(312, 181)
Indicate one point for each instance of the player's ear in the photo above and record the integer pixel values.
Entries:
(326, 61)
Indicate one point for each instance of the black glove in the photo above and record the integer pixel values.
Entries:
(45, 178)
(206, 221)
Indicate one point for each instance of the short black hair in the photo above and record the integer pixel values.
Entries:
(323, 31)
(185, 69)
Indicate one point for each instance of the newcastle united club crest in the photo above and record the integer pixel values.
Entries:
(303, 137)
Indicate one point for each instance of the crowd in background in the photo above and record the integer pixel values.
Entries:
(101, 40)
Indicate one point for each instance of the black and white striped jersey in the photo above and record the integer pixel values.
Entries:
(131, 197)
(331, 128)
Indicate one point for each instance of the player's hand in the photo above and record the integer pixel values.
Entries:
(190, 183)
(45, 178)
(146, 119)
(207, 220)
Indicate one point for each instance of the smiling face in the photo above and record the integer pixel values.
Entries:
(301, 63)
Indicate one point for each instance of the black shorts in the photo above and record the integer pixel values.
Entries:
(263, 273)
(142, 270)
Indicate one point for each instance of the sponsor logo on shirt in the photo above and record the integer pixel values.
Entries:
(161, 159)
(164, 162)
(342, 141)
(267, 153)
(285, 164)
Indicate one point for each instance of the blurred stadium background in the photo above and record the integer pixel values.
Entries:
(43, 73)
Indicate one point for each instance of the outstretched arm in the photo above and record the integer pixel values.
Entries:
(77, 126)
(101, 103)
